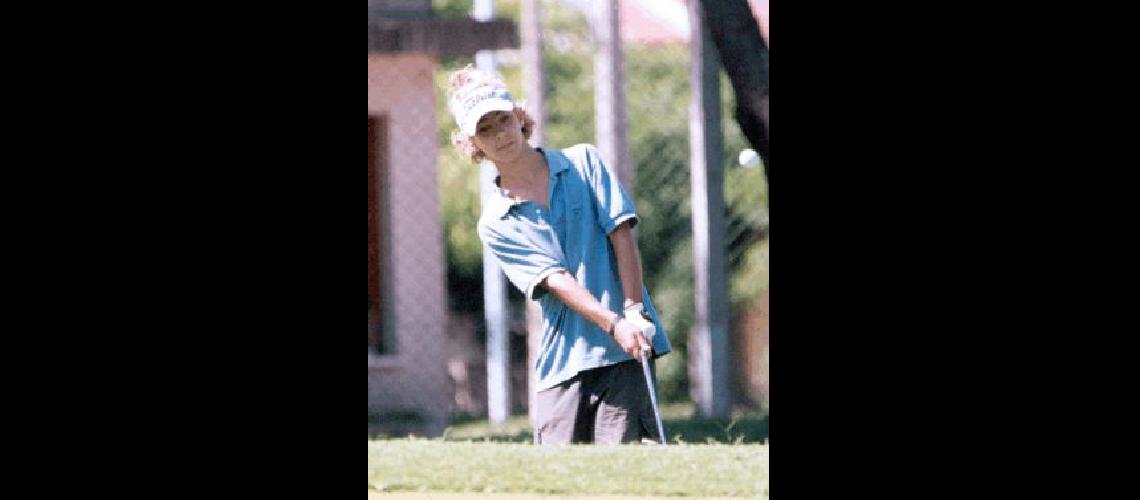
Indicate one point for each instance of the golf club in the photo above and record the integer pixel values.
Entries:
(652, 392)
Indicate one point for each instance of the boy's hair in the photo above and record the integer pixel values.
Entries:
(460, 83)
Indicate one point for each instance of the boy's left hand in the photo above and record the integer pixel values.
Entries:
(636, 315)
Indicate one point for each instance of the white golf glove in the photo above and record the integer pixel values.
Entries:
(636, 315)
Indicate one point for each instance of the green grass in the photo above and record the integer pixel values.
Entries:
(723, 457)
(434, 465)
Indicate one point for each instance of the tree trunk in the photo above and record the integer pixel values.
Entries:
(744, 56)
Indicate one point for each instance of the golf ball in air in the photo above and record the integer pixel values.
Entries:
(749, 158)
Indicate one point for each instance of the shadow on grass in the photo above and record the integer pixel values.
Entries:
(740, 429)
(682, 424)
(745, 429)
(517, 429)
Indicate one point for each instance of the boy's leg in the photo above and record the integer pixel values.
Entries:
(623, 405)
(562, 414)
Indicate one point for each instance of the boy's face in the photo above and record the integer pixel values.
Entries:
(499, 135)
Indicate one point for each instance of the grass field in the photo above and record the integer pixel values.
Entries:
(423, 465)
(706, 458)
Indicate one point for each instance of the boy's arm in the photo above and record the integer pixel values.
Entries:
(628, 259)
(577, 298)
(629, 263)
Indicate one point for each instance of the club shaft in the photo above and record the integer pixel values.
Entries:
(652, 395)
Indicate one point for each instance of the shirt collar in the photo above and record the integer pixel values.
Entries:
(556, 162)
(499, 204)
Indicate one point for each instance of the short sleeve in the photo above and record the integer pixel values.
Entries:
(614, 205)
(526, 255)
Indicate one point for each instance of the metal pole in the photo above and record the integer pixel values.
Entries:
(495, 304)
(534, 81)
(712, 362)
(609, 97)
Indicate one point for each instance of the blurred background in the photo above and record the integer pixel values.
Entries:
(448, 349)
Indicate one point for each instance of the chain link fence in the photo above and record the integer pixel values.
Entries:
(408, 386)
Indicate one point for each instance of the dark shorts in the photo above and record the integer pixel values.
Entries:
(607, 405)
